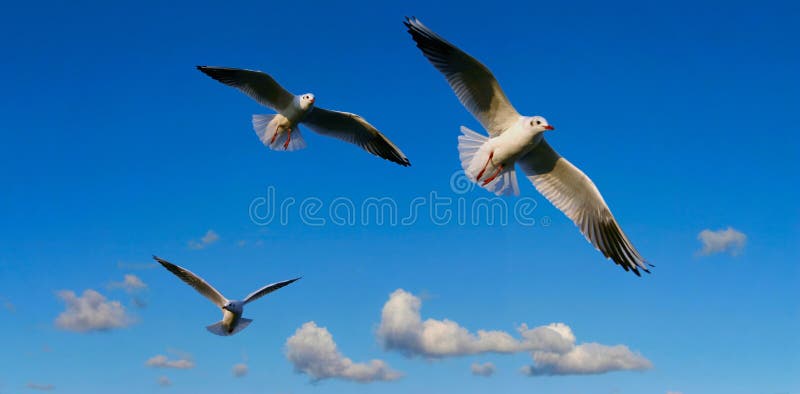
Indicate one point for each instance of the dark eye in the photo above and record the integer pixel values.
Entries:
(538, 122)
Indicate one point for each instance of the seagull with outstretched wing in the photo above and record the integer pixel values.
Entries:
(515, 139)
(281, 131)
(232, 320)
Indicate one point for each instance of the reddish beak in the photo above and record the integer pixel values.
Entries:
(312, 100)
(548, 127)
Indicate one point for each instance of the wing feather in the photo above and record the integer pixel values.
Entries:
(256, 84)
(195, 281)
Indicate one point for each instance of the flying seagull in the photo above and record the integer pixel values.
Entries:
(232, 320)
(281, 131)
(516, 139)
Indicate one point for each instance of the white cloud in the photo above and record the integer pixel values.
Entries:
(40, 387)
(164, 381)
(485, 369)
(312, 351)
(91, 312)
(130, 283)
(240, 370)
(722, 241)
(208, 239)
(587, 359)
(553, 346)
(403, 330)
(184, 361)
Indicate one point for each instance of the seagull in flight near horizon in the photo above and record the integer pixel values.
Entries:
(232, 320)
(516, 139)
(281, 131)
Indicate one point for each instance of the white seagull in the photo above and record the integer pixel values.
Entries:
(281, 132)
(516, 139)
(232, 320)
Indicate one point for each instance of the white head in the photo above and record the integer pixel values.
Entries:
(538, 124)
(233, 307)
(306, 101)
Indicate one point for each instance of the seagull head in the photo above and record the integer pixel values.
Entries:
(539, 124)
(306, 100)
(228, 307)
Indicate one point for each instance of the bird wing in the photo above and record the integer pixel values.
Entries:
(256, 84)
(195, 281)
(355, 130)
(473, 83)
(571, 191)
(268, 289)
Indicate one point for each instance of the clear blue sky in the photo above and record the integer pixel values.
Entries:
(115, 148)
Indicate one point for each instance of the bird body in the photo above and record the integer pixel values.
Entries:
(516, 140)
(281, 131)
(232, 310)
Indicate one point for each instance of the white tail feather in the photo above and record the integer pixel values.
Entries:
(474, 153)
(266, 126)
(218, 328)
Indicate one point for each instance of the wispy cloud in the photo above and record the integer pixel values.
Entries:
(722, 241)
(240, 370)
(130, 283)
(312, 351)
(208, 239)
(183, 361)
(91, 312)
(485, 369)
(552, 346)
(40, 387)
(164, 381)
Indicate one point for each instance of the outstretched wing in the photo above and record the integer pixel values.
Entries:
(355, 130)
(473, 83)
(195, 281)
(256, 84)
(571, 191)
(268, 289)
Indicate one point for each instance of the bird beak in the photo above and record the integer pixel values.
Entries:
(312, 100)
(548, 127)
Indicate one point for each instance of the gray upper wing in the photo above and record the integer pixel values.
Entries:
(268, 289)
(473, 83)
(355, 130)
(571, 191)
(256, 84)
(195, 281)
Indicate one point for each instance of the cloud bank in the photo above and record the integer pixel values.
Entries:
(91, 312)
(729, 241)
(553, 346)
(313, 352)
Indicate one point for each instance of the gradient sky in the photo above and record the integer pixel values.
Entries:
(115, 148)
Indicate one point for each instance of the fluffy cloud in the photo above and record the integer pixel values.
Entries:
(162, 361)
(587, 359)
(208, 239)
(403, 330)
(240, 370)
(485, 369)
(722, 241)
(312, 351)
(91, 312)
(553, 346)
(40, 387)
(164, 381)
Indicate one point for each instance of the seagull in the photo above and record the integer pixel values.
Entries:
(516, 139)
(232, 320)
(281, 131)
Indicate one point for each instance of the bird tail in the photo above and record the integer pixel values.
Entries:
(474, 154)
(218, 328)
(266, 126)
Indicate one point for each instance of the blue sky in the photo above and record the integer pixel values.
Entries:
(115, 148)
